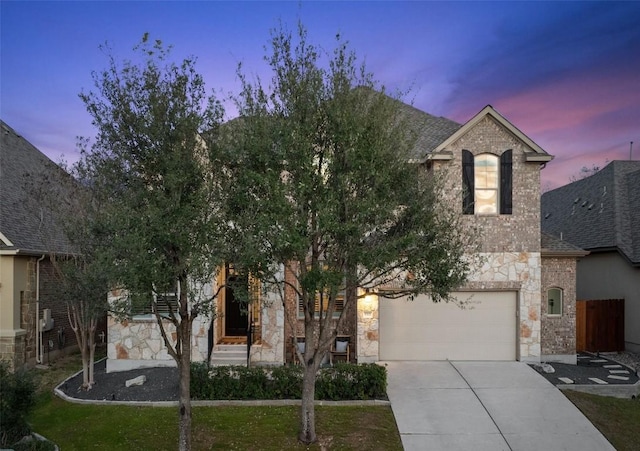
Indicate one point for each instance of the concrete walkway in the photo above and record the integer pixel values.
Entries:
(485, 406)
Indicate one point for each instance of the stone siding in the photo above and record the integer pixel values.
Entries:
(137, 342)
(509, 245)
(521, 272)
(12, 349)
(271, 349)
(367, 331)
(559, 332)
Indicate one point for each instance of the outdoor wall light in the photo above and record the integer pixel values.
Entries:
(367, 305)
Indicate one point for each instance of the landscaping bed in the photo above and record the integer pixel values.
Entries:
(341, 382)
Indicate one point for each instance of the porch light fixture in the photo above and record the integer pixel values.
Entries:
(367, 304)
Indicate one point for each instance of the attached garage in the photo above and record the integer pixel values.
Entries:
(423, 330)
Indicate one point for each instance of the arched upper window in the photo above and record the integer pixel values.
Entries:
(554, 301)
(487, 183)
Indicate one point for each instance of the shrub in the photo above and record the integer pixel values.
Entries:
(347, 381)
(344, 381)
(17, 400)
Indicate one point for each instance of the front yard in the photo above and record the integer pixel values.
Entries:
(617, 419)
(81, 427)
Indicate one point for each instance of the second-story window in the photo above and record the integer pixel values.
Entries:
(487, 183)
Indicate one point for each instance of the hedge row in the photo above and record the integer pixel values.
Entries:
(344, 381)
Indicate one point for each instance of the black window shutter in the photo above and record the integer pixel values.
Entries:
(468, 183)
(506, 183)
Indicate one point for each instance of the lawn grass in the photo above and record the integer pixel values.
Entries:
(82, 427)
(617, 419)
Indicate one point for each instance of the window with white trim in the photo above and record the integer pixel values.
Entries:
(554, 301)
(487, 183)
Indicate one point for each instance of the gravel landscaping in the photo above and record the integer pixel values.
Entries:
(161, 385)
(611, 368)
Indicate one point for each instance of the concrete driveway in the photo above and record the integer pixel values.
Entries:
(485, 406)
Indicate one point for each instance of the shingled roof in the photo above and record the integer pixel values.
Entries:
(600, 212)
(553, 246)
(431, 130)
(26, 226)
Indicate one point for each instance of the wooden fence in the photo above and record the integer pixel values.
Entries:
(600, 325)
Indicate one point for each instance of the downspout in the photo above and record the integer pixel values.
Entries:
(38, 332)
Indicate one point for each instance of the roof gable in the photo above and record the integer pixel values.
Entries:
(536, 152)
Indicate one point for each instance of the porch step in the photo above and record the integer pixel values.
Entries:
(229, 355)
(231, 348)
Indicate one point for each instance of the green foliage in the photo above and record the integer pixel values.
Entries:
(324, 175)
(347, 381)
(150, 175)
(17, 400)
(322, 179)
(344, 381)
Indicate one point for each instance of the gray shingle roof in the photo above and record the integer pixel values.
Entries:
(600, 212)
(25, 221)
(431, 130)
(550, 244)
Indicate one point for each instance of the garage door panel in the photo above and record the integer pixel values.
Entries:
(423, 330)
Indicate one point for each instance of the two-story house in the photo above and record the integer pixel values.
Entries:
(519, 304)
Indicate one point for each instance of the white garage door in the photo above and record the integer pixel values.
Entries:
(423, 330)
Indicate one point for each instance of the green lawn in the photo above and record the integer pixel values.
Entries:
(82, 427)
(617, 419)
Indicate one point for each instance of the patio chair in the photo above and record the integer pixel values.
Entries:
(340, 348)
(297, 343)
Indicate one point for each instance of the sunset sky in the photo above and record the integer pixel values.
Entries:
(565, 73)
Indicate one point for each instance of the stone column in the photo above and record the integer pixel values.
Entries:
(367, 350)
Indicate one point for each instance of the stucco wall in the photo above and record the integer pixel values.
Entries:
(608, 275)
(559, 332)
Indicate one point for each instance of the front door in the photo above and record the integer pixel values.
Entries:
(235, 311)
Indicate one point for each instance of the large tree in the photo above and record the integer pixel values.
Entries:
(66, 207)
(324, 186)
(158, 223)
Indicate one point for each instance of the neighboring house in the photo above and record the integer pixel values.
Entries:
(33, 320)
(494, 174)
(601, 214)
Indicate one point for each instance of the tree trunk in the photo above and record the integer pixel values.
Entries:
(184, 367)
(82, 343)
(307, 409)
(92, 351)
